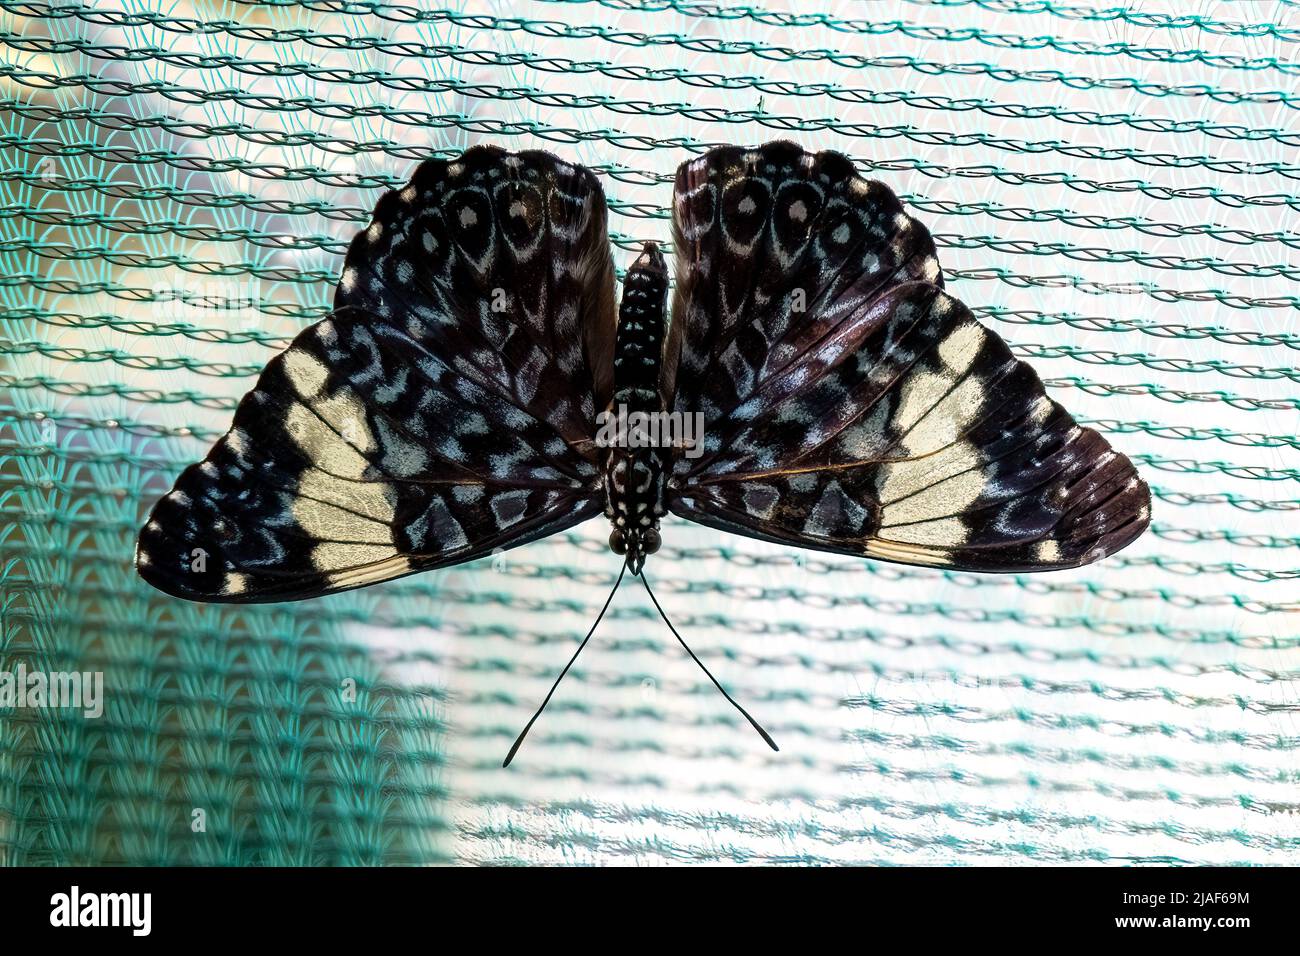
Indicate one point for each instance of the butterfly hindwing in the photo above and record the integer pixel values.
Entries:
(775, 246)
(499, 263)
(412, 428)
(894, 425)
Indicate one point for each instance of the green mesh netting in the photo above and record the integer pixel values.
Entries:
(1112, 190)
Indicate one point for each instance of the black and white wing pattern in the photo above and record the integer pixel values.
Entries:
(443, 410)
(851, 405)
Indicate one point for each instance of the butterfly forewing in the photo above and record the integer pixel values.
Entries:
(445, 409)
(882, 419)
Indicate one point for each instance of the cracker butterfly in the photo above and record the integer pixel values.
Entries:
(449, 406)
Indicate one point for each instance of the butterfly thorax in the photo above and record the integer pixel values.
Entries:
(634, 468)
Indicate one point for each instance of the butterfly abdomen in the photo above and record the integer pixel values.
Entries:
(635, 457)
(640, 337)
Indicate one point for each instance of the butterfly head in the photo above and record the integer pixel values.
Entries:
(634, 544)
(635, 487)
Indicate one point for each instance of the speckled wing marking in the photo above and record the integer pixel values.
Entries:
(892, 424)
(445, 408)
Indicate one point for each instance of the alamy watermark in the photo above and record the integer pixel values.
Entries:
(78, 690)
(133, 911)
(619, 428)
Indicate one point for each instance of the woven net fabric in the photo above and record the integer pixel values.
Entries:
(1112, 189)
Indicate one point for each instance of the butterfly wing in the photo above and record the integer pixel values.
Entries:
(445, 409)
(756, 289)
(882, 419)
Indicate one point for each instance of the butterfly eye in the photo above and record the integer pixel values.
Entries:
(649, 541)
(617, 541)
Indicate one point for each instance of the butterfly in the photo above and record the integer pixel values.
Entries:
(454, 401)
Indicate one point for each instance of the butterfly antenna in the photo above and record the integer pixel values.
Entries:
(753, 723)
(529, 726)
